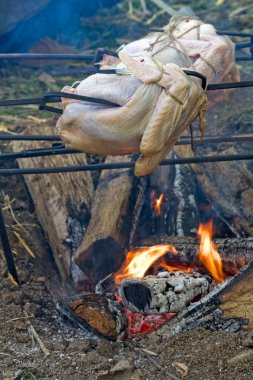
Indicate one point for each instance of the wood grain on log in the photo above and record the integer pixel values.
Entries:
(237, 300)
(62, 201)
(102, 249)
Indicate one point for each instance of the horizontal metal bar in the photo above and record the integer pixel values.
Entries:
(47, 56)
(10, 137)
(55, 97)
(243, 45)
(183, 141)
(235, 34)
(222, 86)
(246, 58)
(18, 102)
(37, 153)
(123, 165)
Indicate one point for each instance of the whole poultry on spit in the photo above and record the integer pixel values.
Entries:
(140, 101)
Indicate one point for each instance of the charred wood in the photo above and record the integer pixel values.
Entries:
(228, 307)
(166, 292)
(178, 212)
(116, 204)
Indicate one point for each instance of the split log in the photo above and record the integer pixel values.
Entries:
(229, 307)
(116, 205)
(166, 292)
(62, 201)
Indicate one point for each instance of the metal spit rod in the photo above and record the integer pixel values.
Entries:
(98, 55)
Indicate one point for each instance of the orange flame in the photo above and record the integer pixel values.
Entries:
(138, 262)
(157, 202)
(208, 254)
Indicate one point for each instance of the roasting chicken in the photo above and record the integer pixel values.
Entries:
(157, 100)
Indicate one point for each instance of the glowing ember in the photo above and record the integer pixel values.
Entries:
(173, 267)
(208, 254)
(139, 323)
(138, 262)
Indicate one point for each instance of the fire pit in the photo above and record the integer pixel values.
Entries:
(91, 224)
(138, 302)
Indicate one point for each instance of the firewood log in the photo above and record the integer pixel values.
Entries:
(101, 314)
(166, 292)
(114, 208)
(62, 201)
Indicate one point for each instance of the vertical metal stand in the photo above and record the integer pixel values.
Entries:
(7, 250)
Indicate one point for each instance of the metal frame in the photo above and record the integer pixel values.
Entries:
(58, 148)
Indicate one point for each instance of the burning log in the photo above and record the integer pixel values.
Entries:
(116, 204)
(148, 302)
(62, 202)
(166, 292)
(234, 252)
(228, 307)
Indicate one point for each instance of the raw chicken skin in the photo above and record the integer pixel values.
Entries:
(158, 101)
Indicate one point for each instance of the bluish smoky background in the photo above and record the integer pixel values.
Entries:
(52, 26)
(24, 22)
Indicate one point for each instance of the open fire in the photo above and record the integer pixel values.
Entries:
(188, 287)
(157, 202)
(155, 283)
(208, 255)
(138, 262)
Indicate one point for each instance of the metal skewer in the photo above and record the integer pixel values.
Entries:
(7, 250)
(123, 165)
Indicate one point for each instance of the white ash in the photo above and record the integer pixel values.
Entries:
(166, 292)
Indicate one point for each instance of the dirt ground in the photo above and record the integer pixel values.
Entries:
(201, 354)
(72, 352)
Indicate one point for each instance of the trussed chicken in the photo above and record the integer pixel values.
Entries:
(158, 101)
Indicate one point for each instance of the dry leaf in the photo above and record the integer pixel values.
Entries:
(3, 128)
(152, 353)
(181, 368)
(12, 279)
(36, 119)
(24, 245)
(239, 10)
